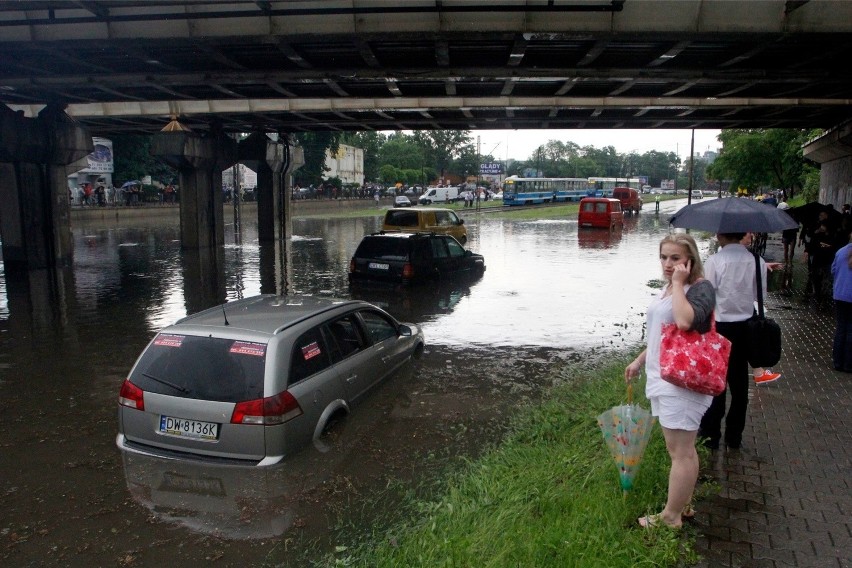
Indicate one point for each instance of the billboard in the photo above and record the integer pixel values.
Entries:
(100, 160)
(493, 168)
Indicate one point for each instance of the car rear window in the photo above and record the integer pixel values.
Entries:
(401, 218)
(205, 368)
(389, 248)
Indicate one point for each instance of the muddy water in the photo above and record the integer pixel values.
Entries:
(552, 296)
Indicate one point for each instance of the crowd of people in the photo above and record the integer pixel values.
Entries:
(131, 195)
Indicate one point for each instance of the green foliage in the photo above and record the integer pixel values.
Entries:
(567, 159)
(441, 147)
(810, 187)
(133, 161)
(388, 174)
(759, 159)
(548, 496)
(401, 152)
(315, 145)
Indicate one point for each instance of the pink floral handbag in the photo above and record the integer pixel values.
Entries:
(695, 361)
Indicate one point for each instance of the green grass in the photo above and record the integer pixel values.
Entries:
(548, 495)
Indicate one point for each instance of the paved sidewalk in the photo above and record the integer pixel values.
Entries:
(786, 496)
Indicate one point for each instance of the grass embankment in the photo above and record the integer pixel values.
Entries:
(548, 495)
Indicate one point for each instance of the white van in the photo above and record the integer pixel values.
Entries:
(447, 194)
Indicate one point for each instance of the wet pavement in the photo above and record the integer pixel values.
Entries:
(785, 497)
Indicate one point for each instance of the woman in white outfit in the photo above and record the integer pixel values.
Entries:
(687, 300)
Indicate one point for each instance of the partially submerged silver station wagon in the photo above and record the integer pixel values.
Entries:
(255, 380)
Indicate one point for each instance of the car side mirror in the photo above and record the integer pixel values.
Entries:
(404, 331)
(461, 221)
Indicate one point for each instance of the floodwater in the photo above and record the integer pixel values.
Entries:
(552, 298)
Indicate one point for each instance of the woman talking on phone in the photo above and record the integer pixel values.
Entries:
(687, 300)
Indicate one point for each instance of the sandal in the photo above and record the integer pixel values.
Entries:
(655, 521)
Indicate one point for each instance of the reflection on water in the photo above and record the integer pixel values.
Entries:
(598, 238)
(547, 283)
(67, 341)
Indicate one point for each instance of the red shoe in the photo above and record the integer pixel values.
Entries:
(767, 377)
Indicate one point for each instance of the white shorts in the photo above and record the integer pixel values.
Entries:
(676, 413)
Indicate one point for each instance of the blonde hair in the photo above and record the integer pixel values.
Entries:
(688, 243)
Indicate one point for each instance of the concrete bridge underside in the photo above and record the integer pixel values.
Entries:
(71, 69)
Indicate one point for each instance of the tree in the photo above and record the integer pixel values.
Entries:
(762, 158)
(441, 147)
(401, 152)
(315, 145)
(133, 160)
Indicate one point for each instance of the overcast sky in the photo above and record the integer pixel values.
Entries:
(520, 144)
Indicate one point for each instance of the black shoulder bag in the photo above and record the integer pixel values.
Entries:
(764, 334)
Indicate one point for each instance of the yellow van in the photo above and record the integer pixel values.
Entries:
(425, 220)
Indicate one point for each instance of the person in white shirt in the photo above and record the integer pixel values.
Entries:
(732, 273)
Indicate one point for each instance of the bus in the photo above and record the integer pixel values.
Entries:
(603, 186)
(528, 191)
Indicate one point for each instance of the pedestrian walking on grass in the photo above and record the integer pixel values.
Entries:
(687, 300)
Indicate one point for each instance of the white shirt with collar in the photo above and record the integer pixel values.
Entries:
(732, 273)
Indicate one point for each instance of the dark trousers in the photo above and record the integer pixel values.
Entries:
(841, 352)
(738, 379)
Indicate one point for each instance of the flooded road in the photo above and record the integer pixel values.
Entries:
(552, 297)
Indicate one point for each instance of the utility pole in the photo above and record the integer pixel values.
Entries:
(691, 167)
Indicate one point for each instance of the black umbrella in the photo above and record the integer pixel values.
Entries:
(808, 214)
(733, 215)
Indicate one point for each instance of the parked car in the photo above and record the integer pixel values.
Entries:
(603, 212)
(631, 201)
(401, 201)
(426, 220)
(256, 380)
(696, 194)
(412, 257)
(447, 194)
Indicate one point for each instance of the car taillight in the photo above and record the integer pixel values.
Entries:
(351, 265)
(276, 409)
(407, 270)
(131, 395)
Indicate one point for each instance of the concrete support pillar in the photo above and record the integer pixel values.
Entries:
(267, 158)
(833, 151)
(35, 155)
(200, 161)
(294, 161)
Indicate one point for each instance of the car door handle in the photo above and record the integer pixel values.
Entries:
(351, 379)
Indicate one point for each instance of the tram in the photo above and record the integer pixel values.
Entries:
(529, 191)
(603, 186)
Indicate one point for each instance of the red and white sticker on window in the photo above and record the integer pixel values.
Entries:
(167, 340)
(248, 348)
(311, 350)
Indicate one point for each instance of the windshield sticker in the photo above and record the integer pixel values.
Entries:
(248, 348)
(311, 350)
(167, 340)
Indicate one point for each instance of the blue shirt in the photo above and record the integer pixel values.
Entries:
(842, 274)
